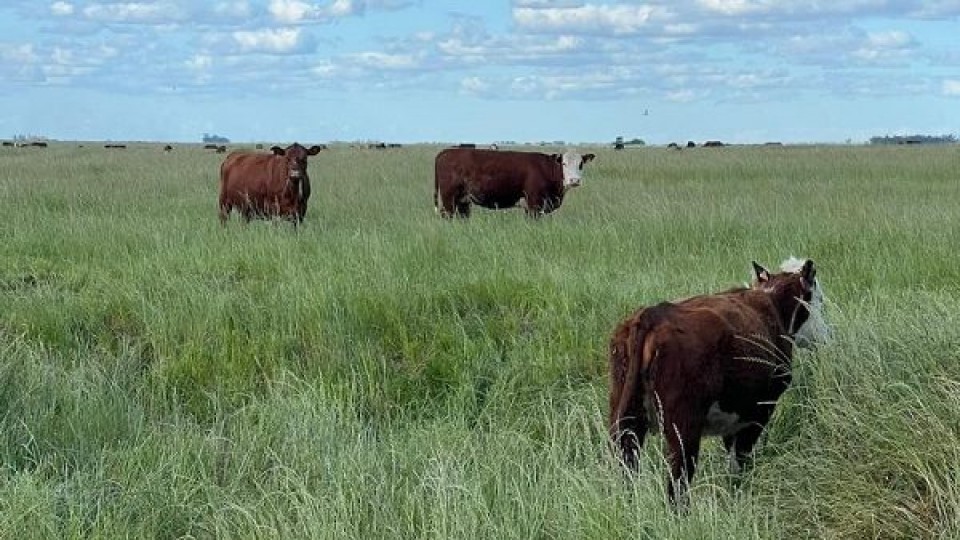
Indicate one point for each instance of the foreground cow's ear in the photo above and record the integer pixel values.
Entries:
(589, 157)
(314, 150)
(277, 150)
(808, 273)
(763, 275)
(556, 157)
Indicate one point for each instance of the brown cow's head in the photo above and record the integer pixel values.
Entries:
(572, 164)
(794, 291)
(296, 159)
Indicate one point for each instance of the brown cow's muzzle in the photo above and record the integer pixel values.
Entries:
(295, 174)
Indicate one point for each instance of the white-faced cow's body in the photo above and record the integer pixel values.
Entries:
(499, 179)
(266, 185)
(707, 365)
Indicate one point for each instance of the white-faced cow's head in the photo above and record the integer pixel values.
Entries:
(572, 164)
(815, 329)
(296, 159)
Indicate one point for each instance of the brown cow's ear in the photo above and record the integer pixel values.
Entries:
(763, 275)
(589, 157)
(278, 151)
(808, 273)
(314, 150)
(556, 157)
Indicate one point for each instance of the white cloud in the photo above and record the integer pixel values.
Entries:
(343, 8)
(591, 18)
(951, 87)
(290, 11)
(237, 9)
(271, 40)
(199, 62)
(379, 60)
(134, 12)
(61, 9)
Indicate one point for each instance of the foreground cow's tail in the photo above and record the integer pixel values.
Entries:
(224, 202)
(632, 352)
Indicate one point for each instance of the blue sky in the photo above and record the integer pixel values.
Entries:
(483, 70)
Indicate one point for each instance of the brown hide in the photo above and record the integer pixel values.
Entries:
(260, 185)
(496, 179)
(685, 368)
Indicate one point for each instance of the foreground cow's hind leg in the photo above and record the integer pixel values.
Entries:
(682, 428)
(628, 423)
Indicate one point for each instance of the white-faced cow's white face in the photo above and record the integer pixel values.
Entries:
(572, 164)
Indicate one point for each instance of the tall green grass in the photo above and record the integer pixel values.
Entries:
(380, 372)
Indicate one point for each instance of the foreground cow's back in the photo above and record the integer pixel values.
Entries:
(708, 365)
(499, 179)
(266, 185)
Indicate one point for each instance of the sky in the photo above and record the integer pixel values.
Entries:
(740, 71)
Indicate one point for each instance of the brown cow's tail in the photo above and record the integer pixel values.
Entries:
(224, 202)
(632, 352)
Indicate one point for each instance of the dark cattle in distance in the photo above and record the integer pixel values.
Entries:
(117, 146)
(211, 146)
(376, 146)
(691, 144)
(259, 146)
(221, 149)
(499, 179)
(673, 145)
(394, 145)
(7, 143)
(168, 148)
(714, 364)
(713, 144)
(266, 185)
(618, 146)
(466, 145)
(773, 143)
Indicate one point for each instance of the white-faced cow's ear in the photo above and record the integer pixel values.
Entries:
(589, 157)
(278, 151)
(762, 274)
(808, 273)
(314, 150)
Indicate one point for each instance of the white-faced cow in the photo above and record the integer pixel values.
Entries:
(266, 185)
(499, 179)
(708, 365)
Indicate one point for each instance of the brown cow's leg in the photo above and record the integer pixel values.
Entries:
(224, 212)
(741, 444)
(682, 428)
(448, 203)
(628, 433)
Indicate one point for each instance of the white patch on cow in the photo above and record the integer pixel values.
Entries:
(815, 330)
(722, 423)
(572, 169)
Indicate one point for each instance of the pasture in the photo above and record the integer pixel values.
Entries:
(383, 373)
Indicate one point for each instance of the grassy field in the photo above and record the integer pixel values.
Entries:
(382, 373)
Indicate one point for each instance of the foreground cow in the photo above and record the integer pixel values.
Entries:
(266, 185)
(499, 179)
(707, 365)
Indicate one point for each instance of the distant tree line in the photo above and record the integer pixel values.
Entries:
(214, 139)
(914, 139)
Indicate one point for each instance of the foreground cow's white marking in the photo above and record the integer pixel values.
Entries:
(572, 163)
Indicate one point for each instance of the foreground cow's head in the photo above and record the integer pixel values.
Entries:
(296, 159)
(798, 279)
(572, 164)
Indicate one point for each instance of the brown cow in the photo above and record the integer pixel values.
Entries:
(499, 179)
(266, 185)
(707, 365)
